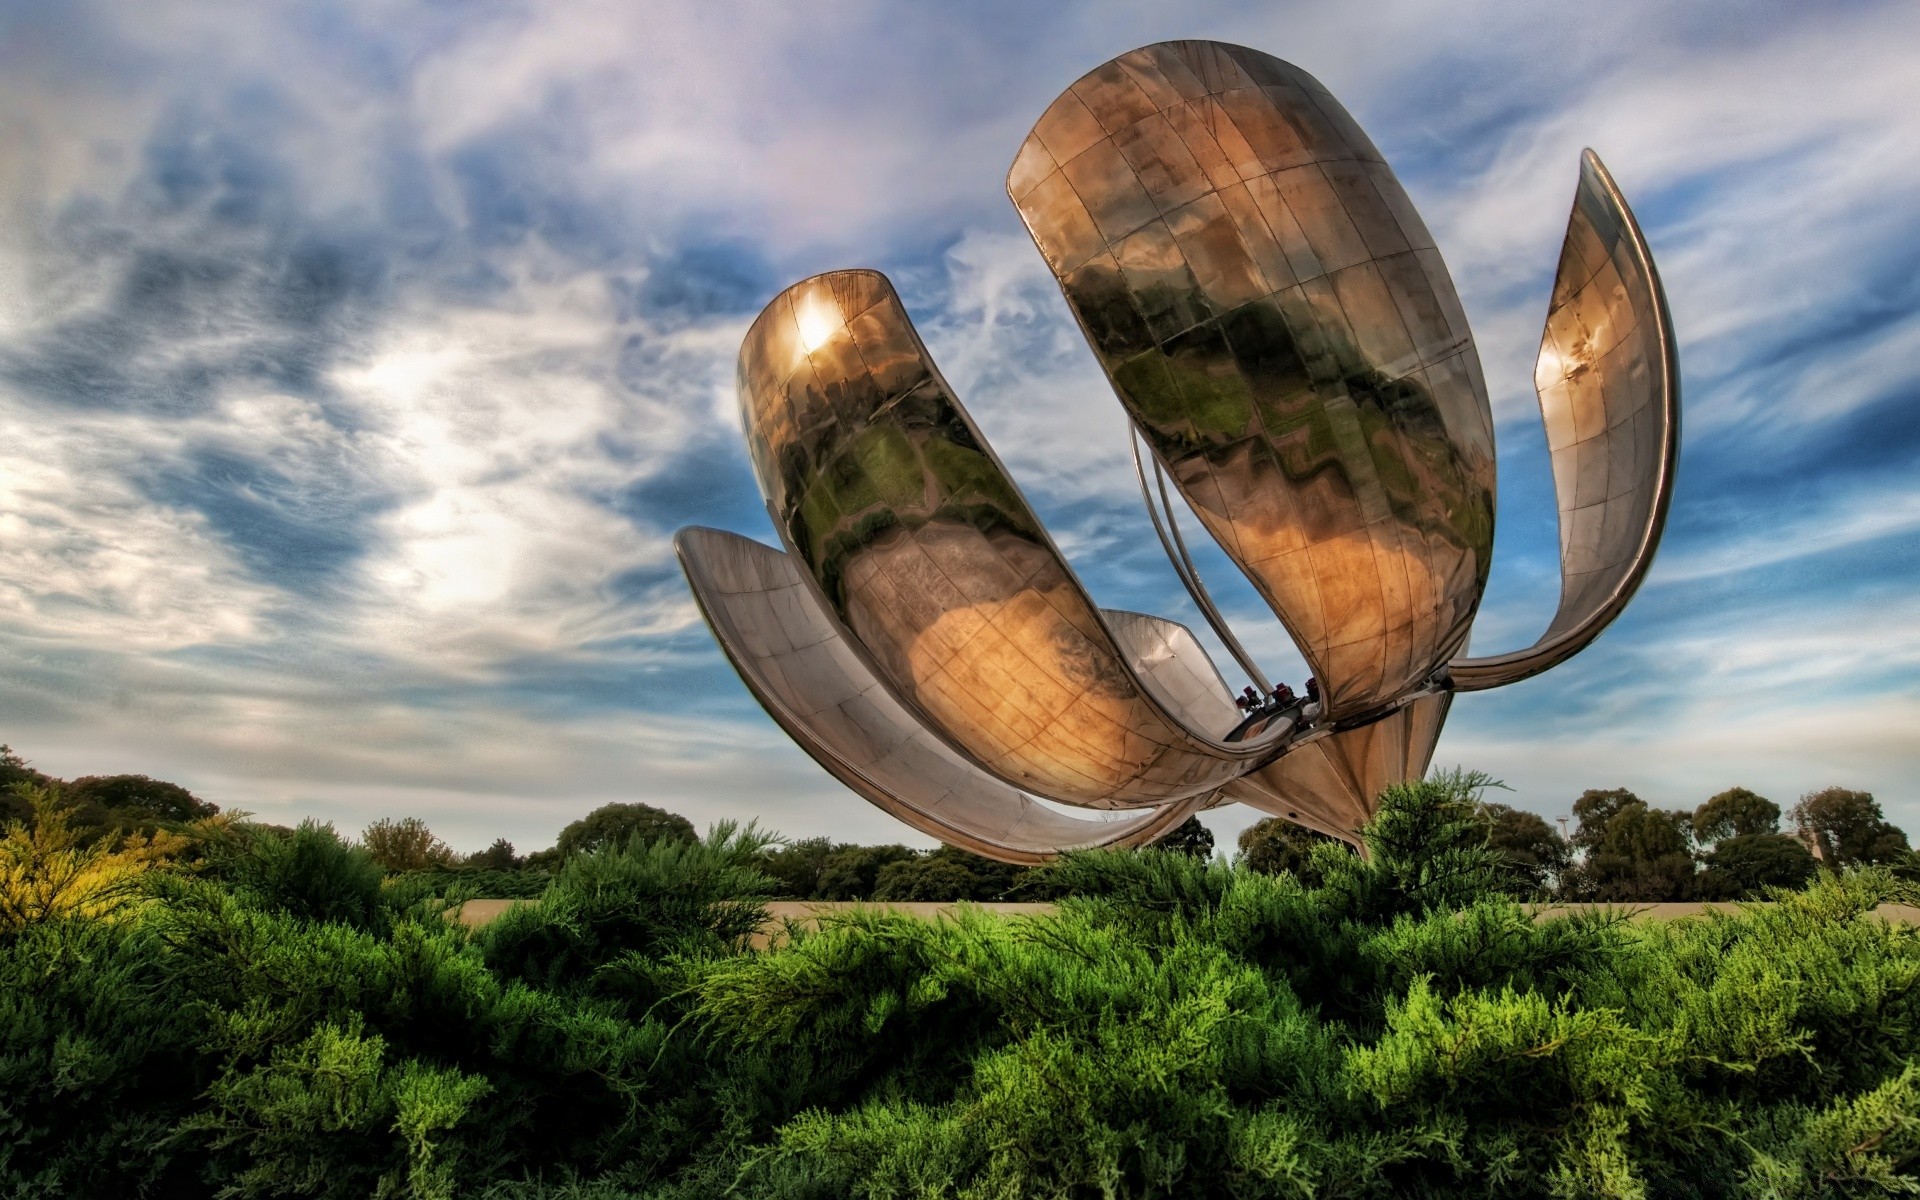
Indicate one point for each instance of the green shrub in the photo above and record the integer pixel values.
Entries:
(650, 898)
(1383, 1025)
(98, 1064)
(311, 872)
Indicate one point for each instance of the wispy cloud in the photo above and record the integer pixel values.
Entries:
(357, 361)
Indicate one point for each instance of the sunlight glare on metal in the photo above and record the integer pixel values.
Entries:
(818, 317)
(1284, 336)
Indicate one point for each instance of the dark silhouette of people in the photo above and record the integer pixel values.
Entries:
(1283, 695)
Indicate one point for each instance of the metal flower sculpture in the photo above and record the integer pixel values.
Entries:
(1276, 321)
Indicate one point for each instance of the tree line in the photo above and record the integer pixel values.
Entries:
(1621, 849)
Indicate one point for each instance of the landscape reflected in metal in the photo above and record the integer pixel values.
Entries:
(1278, 324)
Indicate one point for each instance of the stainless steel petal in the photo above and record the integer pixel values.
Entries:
(1275, 318)
(1332, 784)
(1609, 383)
(925, 553)
(797, 664)
(1172, 664)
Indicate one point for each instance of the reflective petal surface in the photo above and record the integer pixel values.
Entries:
(798, 665)
(925, 553)
(1609, 383)
(1275, 318)
(1333, 783)
(1274, 315)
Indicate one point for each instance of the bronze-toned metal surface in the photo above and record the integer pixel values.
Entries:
(1608, 377)
(926, 554)
(797, 664)
(1166, 526)
(1278, 324)
(1277, 321)
(1172, 664)
(1332, 783)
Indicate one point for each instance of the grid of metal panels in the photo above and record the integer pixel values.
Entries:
(800, 668)
(1276, 319)
(1609, 387)
(923, 549)
(1274, 315)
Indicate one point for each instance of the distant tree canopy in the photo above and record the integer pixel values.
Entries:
(406, 845)
(497, 857)
(817, 869)
(1190, 838)
(1746, 865)
(1848, 828)
(614, 825)
(945, 874)
(14, 769)
(796, 867)
(1638, 853)
(132, 795)
(1736, 812)
(1622, 849)
(1593, 810)
(1527, 845)
(853, 872)
(98, 805)
(1274, 846)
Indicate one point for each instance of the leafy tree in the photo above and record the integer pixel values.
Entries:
(1593, 810)
(14, 769)
(1736, 812)
(797, 866)
(1532, 850)
(497, 857)
(138, 797)
(1274, 846)
(618, 824)
(52, 872)
(1190, 838)
(406, 845)
(1847, 828)
(851, 872)
(946, 874)
(1641, 854)
(925, 878)
(1744, 866)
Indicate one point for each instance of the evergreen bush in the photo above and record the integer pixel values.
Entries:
(281, 1023)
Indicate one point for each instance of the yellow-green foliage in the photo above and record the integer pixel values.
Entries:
(50, 871)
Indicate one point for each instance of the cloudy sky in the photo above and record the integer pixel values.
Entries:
(358, 360)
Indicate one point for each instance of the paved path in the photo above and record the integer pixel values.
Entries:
(807, 913)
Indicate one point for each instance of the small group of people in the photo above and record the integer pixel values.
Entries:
(1282, 696)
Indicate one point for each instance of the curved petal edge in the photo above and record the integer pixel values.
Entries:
(797, 664)
(1609, 385)
(918, 545)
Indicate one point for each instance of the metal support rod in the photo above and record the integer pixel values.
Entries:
(1176, 551)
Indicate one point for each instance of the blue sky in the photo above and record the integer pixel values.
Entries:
(357, 361)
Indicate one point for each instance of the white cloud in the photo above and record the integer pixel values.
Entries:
(87, 559)
(496, 420)
(474, 443)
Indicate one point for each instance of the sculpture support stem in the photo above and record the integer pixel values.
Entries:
(1176, 550)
